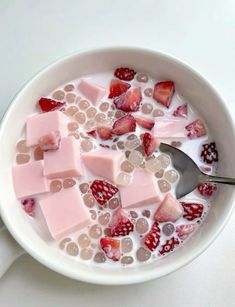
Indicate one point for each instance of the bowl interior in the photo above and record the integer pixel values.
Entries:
(198, 92)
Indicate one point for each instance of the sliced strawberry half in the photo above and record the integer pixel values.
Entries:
(125, 73)
(92, 133)
(169, 245)
(28, 205)
(120, 224)
(144, 122)
(149, 143)
(47, 104)
(184, 230)
(105, 133)
(152, 238)
(103, 191)
(111, 248)
(209, 153)
(192, 211)
(117, 88)
(123, 125)
(196, 129)
(207, 189)
(129, 101)
(181, 111)
(163, 92)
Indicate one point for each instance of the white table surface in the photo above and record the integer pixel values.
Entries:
(202, 33)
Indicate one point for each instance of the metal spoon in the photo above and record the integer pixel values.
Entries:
(191, 175)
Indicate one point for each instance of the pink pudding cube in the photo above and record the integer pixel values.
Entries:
(28, 179)
(39, 125)
(64, 162)
(64, 212)
(92, 91)
(170, 128)
(142, 191)
(170, 210)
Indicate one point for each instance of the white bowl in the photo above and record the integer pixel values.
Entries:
(189, 83)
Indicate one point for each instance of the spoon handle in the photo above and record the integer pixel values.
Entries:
(217, 179)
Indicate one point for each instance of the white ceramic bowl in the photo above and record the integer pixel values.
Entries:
(194, 88)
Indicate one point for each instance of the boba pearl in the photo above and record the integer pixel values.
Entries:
(120, 145)
(68, 183)
(147, 108)
(127, 167)
(71, 111)
(89, 200)
(136, 157)
(143, 254)
(100, 257)
(164, 186)
(69, 87)
(84, 187)
(75, 135)
(142, 77)
(55, 186)
(126, 245)
(171, 176)
(127, 153)
(64, 242)
(86, 253)
(160, 173)
(86, 145)
(142, 225)
(70, 97)
(100, 118)
(95, 231)
(132, 137)
(72, 249)
(168, 229)
(158, 113)
(83, 104)
(107, 232)
(93, 214)
(80, 117)
(38, 154)
(127, 260)
(84, 240)
(91, 112)
(148, 92)
(131, 144)
(93, 245)
(123, 179)
(119, 114)
(146, 213)
(153, 165)
(114, 147)
(104, 106)
(72, 126)
(141, 149)
(22, 147)
(110, 114)
(90, 124)
(133, 214)
(176, 143)
(104, 218)
(164, 159)
(22, 158)
(58, 95)
(114, 203)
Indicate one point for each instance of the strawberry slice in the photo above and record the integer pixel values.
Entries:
(111, 247)
(163, 92)
(207, 189)
(123, 125)
(120, 224)
(105, 133)
(117, 88)
(124, 73)
(181, 111)
(150, 143)
(209, 153)
(184, 230)
(144, 122)
(28, 205)
(129, 101)
(47, 104)
(103, 191)
(192, 211)
(152, 238)
(196, 129)
(50, 141)
(169, 245)
(92, 133)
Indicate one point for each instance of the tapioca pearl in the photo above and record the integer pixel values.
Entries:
(86, 145)
(123, 179)
(104, 218)
(55, 186)
(58, 95)
(76, 135)
(164, 159)
(71, 110)
(164, 186)
(38, 154)
(100, 257)
(64, 242)
(100, 118)
(126, 245)
(114, 147)
(70, 97)
(136, 157)
(127, 260)
(158, 113)
(147, 108)
(80, 117)
(110, 114)
(89, 200)
(127, 167)
(160, 173)
(104, 106)
(132, 144)
(142, 225)
(153, 165)
(84, 240)
(140, 149)
(142, 77)
(83, 104)
(90, 124)
(95, 231)
(146, 213)
(176, 143)
(22, 147)
(143, 254)
(120, 144)
(114, 203)
(133, 214)
(91, 112)
(119, 114)
(93, 245)
(72, 249)
(148, 92)
(72, 126)
(22, 158)
(84, 187)
(93, 214)
(127, 153)
(168, 229)
(171, 176)
(68, 183)
(68, 87)
(86, 253)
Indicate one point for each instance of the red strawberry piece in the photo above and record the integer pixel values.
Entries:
(169, 245)
(181, 111)
(103, 191)
(152, 238)
(196, 129)
(120, 224)
(163, 92)
(207, 189)
(92, 133)
(192, 211)
(150, 143)
(50, 141)
(123, 125)
(184, 230)
(47, 104)
(144, 122)
(124, 73)
(105, 133)
(28, 205)
(209, 153)
(111, 247)
(117, 88)
(129, 101)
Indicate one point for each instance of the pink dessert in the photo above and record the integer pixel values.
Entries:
(90, 176)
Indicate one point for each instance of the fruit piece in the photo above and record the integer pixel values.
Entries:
(129, 101)
(169, 245)
(105, 133)
(92, 133)
(163, 92)
(192, 211)
(50, 141)
(111, 247)
(206, 189)
(124, 73)
(152, 239)
(209, 153)
(123, 125)
(103, 191)
(181, 111)
(150, 143)
(170, 210)
(184, 230)
(196, 129)
(120, 224)
(28, 205)
(145, 122)
(117, 88)
(47, 104)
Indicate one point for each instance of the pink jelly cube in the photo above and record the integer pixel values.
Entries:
(170, 128)
(142, 191)
(64, 212)
(92, 91)
(28, 179)
(170, 210)
(64, 162)
(41, 124)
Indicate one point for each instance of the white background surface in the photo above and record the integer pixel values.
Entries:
(202, 33)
